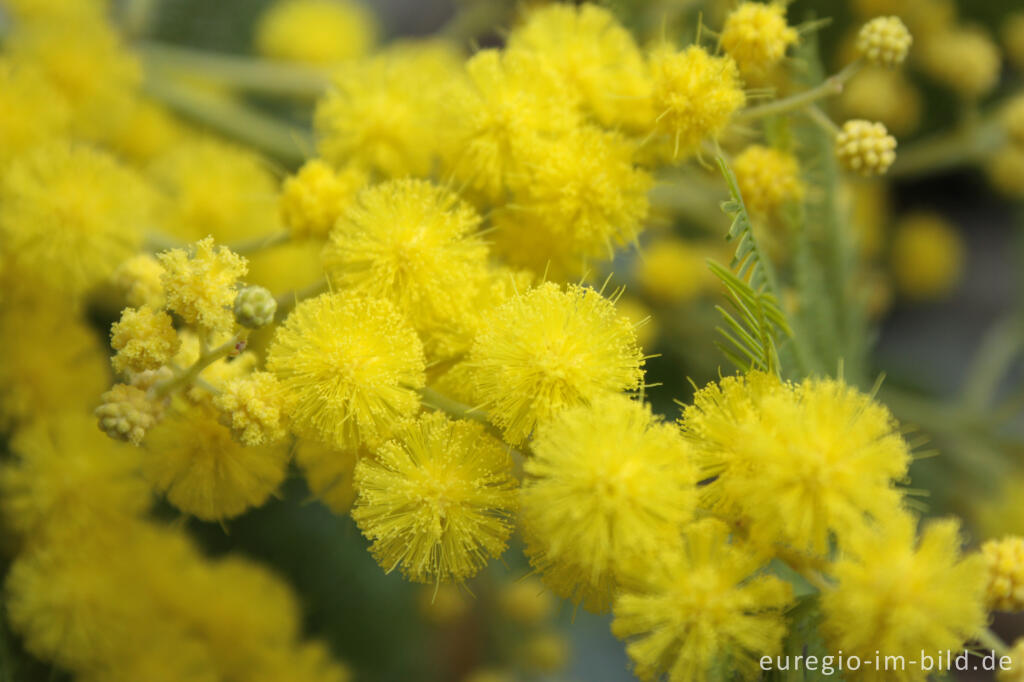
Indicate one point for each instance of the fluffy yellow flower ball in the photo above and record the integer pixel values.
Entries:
(884, 95)
(695, 95)
(505, 98)
(350, 366)
(756, 36)
(884, 41)
(313, 199)
(866, 148)
(698, 601)
(378, 115)
(608, 483)
(414, 244)
(34, 111)
(72, 212)
(67, 478)
(204, 471)
(584, 189)
(319, 32)
(672, 271)
(547, 349)
(199, 283)
(927, 256)
(437, 501)
(768, 179)
(1005, 562)
(144, 339)
(595, 56)
(964, 59)
(899, 596)
(797, 464)
(216, 189)
(50, 360)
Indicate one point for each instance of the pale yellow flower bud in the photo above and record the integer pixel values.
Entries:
(884, 41)
(865, 147)
(127, 413)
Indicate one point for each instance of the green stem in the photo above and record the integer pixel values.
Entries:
(967, 145)
(821, 118)
(1000, 347)
(288, 143)
(441, 402)
(993, 641)
(205, 359)
(830, 87)
(245, 73)
(257, 244)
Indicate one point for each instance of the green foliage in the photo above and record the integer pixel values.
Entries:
(752, 335)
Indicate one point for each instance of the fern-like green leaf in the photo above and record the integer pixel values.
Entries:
(753, 333)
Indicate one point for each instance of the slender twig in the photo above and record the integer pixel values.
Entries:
(243, 73)
(288, 143)
(257, 244)
(205, 359)
(830, 87)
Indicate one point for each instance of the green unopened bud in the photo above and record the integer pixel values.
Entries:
(255, 307)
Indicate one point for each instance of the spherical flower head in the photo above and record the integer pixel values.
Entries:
(199, 283)
(437, 501)
(964, 59)
(34, 111)
(884, 41)
(50, 360)
(144, 339)
(1004, 560)
(672, 271)
(413, 243)
(319, 32)
(204, 471)
(85, 60)
(585, 186)
(545, 652)
(254, 407)
(899, 595)
(797, 464)
(1013, 120)
(608, 483)
(254, 307)
(866, 148)
(313, 199)
(68, 478)
(526, 602)
(548, 349)
(59, 594)
(927, 256)
(127, 412)
(351, 366)
(140, 278)
(695, 603)
(328, 473)
(217, 189)
(695, 95)
(72, 212)
(886, 95)
(373, 117)
(505, 99)
(595, 56)
(768, 179)
(756, 36)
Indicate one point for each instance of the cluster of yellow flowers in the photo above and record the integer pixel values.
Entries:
(412, 316)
